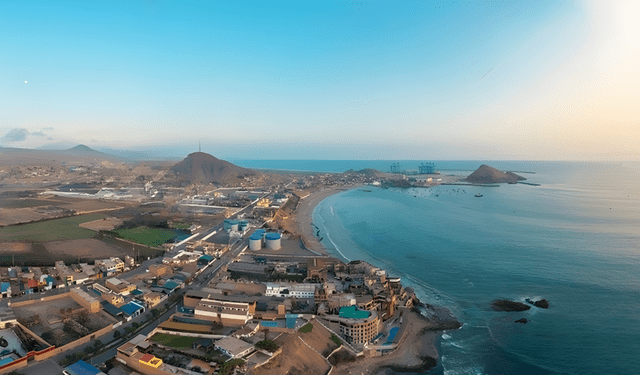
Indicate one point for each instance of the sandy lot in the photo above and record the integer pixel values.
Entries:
(108, 223)
(319, 339)
(51, 319)
(9, 248)
(87, 248)
(296, 359)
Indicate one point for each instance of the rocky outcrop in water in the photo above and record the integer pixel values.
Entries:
(543, 303)
(506, 305)
(489, 175)
(522, 320)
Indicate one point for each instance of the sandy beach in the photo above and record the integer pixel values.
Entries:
(303, 216)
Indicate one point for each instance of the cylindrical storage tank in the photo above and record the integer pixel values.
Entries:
(233, 225)
(242, 225)
(272, 241)
(225, 224)
(255, 243)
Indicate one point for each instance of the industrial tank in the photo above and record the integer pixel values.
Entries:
(272, 241)
(255, 242)
(242, 225)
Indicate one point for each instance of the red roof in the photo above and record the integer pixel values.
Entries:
(32, 283)
(147, 357)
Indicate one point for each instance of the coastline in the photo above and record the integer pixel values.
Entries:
(417, 351)
(303, 216)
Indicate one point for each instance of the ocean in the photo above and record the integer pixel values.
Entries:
(574, 240)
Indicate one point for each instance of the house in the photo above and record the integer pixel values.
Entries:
(81, 368)
(119, 286)
(153, 299)
(226, 312)
(5, 289)
(113, 265)
(233, 347)
(65, 274)
(113, 299)
(132, 309)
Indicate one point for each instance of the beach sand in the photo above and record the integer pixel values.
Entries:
(303, 216)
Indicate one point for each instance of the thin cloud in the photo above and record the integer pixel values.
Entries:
(15, 135)
(20, 134)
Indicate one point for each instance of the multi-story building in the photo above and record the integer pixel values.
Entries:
(113, 265)
(225, 312)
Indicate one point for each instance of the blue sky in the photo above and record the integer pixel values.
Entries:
(322, 79)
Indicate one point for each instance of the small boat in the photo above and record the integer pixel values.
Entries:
(478, 195)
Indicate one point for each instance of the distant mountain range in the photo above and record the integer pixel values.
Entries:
(78, 154)
(202, 168)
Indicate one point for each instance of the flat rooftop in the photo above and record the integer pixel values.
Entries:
(352, 313)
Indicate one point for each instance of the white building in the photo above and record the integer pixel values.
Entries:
(295, 290)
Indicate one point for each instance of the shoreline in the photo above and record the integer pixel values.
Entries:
(303, 216)
(418, 350)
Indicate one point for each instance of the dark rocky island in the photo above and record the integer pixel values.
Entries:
(506, 305)
(543, 303)
(489, 175)
(522, 320)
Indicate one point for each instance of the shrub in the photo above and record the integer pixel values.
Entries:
(335, 339)
(306, 328)
(267, 345)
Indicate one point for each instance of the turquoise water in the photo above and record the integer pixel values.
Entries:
(351, 312)
(392, 335)
(575, 241)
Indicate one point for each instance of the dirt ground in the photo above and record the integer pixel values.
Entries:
(296, 359)
(24, 210)
(108, 223)
(319, 339)
(69, 251)
(51, 319)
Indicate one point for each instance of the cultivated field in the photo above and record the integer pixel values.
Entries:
(50, 230)
(152, 237)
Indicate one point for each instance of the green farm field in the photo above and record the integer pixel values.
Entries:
(146, 236)
(50, 230)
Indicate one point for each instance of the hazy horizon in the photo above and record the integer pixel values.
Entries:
(447, 80)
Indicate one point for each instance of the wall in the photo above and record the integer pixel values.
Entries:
(74, 344)
(32, 301)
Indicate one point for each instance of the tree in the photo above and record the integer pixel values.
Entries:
(117, 334)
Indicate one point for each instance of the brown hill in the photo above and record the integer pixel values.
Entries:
(79, 154)
(489, 175)
(202, 168)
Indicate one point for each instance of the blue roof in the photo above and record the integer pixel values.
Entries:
(130, 308)
(137, 292)
(82, 368)
(5, 287)
(273, 236)
(5, 361)
(111, 309)
(171, 285)
(207, 258)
